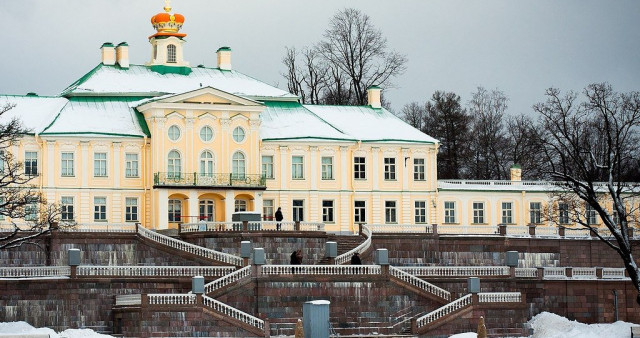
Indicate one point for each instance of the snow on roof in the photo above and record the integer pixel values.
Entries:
(142, 81)
(35, 112)
(369, 125)
(100, 116)
(291, 120)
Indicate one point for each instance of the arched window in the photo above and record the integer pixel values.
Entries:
(206, 163)
(174, 164)
(238, 165)
(171, 54)
(175, 211)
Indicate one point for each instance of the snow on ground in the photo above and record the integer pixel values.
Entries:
(13, 328)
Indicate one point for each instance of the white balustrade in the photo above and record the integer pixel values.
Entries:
(547, 231)
(228, 279)
(189, 248)
(233, 312)
(577, 233)
(171, 299)
(206, 226)
(455, 229)
(583, 273)
(35, 271)
(555, 273)
(438, 313)
(273, 226)
(401, 228)
(499, 297)
(613, 273)
(101, 227)
(526, 272)
(154, 271)
(518, 231)
(125, 300)
(252, 226)
(422, 284)
(321, 269)
(456, 271)
(364, 246)
(311, 226)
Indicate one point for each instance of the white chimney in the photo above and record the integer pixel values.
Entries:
(224, 58)
(122, 54)
(516, 172)
(373, 96)
(108, 54)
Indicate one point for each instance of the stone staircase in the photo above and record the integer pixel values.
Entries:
(345, 243)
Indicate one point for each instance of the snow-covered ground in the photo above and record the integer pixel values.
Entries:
(550, 325)
(24, 328)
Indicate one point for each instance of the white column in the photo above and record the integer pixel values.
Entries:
(405, 168)
(346, 170)
(51, 145)
(117, 146)
(314, 177)
(346, 208)
(407, 207)
(284, 160)
(192, 206)
(163, 209)
(84, 149)
(229, 205)
(189, 138)
(375, 163)
(257, 202)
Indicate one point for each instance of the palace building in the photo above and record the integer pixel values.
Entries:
(165, 143)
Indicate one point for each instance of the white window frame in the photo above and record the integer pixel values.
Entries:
(267, 166)
(563, 213)
(535, 212)
(390, 212)
(174, 164)
(131, 165)
(100, 209)
(591, 216)
(239, 134)
(327, 167)
(298, 210)
(174, 210)
(360, 168)
(100, 164)
(419, 169)
(389, 168)
(66, 208)
(132, 213)
(31, 163)
(174, 133)
(507, 212)
(268, 209)
(238, 165)
(171, 53)
(66, 164)
(450, 212)
(328, 211)
(297, 167)
(420, 212)
(359, 211)
(207, 163)
(240, 205)
(206, 134)
(478, 212)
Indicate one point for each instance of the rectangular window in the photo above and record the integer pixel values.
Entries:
(100, 208)
(327, 168)
(131, 169)
(66, 203)
(359, 212)
(31, 210)
(100, 164)
(67, 164)
(478, 212)
(327, 211)
(535, 212)
(420, 216)
(591, 215)
(131, 210)
(267, 210)
(175, 211)
(449, 212)
(390, 212)
(418, 169)
(359, 168)
(267, 166)
(298, 210)
(563, 213)
(297, 167)
(240, 205)
(31, 163)
(507, 213)
(389, 168)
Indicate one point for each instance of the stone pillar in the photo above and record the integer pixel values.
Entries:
(193, 208)
(296, 226)
(163, 209)
(569, 272)
(511, 260)
(532, 230)
(502, 229)
(381, 257)
(197, 287)
(561, 231)
(434, 228)
(331, 251)
(229, 205)
(74, 261)
(245, 252)
(258, 260)
(473, 286)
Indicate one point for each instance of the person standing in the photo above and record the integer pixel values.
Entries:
(355, 259)
(279, 218)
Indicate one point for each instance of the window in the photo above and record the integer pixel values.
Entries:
(390, 212)
(174, 164)
(31, 163)
(563, 213)
(449, 212)
(206, 210)
(389, 168)
(420, 216)
(267, 166)
(131, 209)
(238, 165)
(99, 208)
(31, 210)
(206, 133)
(100, 164)
(67, 164)
(175, 211)
(478, 212)
(327, 211)
(66, 204)
(206, 163)
(327, 168)
(535, 212)
(359, 212)
(507, 213)
(238, 134)
(297, 167)
(359, 168)
(131, 166)
(418, 169)
(174, 133)
(616, 218)
(298, 210)
(591, 215)
(240, 205)
(171, 54)
(267, 210)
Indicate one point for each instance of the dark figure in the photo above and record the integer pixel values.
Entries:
(296, 259)
(279, 219)
(355, 259)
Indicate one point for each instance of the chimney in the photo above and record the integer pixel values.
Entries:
(224, 58)
(108, 54)
(516, 172)
(122, 54)
(373, 96)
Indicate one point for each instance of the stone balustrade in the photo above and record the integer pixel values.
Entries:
(456, 271)
(154, 271)
(353, 270)
(442, 311)
(401, 228)
(228, 279)
(251, 226)
(364, 246)
(101, 227)
(128, 300)
(233, 313)
(526, 272)
(35, 271)
(499, 297)
(420, 283)
(171, 299)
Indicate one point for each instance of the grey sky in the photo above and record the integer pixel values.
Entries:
(519, 47)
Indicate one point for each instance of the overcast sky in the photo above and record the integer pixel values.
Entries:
(519, 47)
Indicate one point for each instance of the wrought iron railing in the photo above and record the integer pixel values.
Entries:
(212, 179)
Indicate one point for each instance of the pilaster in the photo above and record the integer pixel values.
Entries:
(284, 156)
(51, 166)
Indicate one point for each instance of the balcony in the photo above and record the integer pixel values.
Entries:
(214, 180)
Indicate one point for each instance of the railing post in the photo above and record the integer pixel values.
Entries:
(599, 273)
(502, 229)
(512, 262)
(434, 229)
(267, 329)
(593, 233)
(414, 326)
(144, 300)
(195, 178)
(360, 229)
(381, 257)
(245, 226)
(197, 287)
(296, 226)
(245, 252)
(540, 273)
(532, 230)
(569, 272)
(630, 232)
(331, 251)
(74, 261)
(561, 231)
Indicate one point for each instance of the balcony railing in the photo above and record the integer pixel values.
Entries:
(209, 180)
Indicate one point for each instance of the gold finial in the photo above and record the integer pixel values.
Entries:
(167, 6)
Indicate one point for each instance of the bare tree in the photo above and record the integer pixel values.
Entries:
(524, 149)
(414, 114)
(592, 147)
